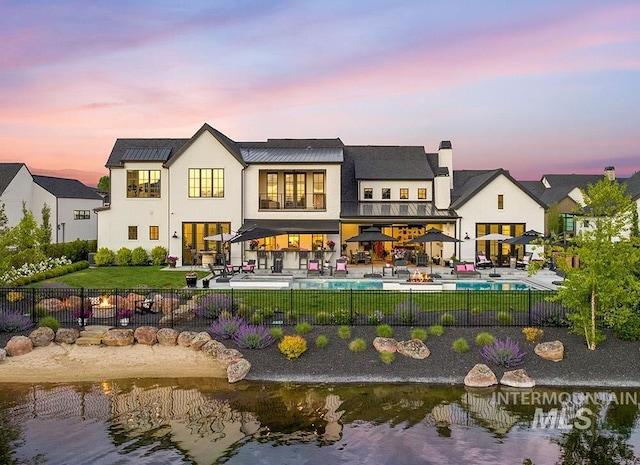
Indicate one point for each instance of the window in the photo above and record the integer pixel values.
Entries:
(154, 233)
(143, 184)
(404, 193)
(368, 193)
(422, 193)
(295, 190)
(133, 233)
(500, 202)
(206, 182)
(318, 190)
(317, 241)
(81, 214)
(293, 241)
(386, 193)
(272, 186)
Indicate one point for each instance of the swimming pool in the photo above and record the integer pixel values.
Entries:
(335, 284)
(374, 284)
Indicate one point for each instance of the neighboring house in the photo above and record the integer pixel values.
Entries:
(71, 203)
(492, 201)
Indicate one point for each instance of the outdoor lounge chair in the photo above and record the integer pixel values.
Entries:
(524, 263)
(422, 259)
(144, 306)
(249, 266)
(215, 272)
(340, 271)
(483, 262)
(401, 270)
(313, 270)
(465, 270)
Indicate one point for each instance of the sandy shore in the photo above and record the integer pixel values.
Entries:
(70, 363)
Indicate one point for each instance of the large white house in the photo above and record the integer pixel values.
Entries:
(177, 192)
(72, 204)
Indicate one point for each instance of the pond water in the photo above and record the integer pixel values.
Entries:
(208, 421)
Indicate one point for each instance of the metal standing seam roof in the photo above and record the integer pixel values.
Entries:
(292, 155)
(146, 154)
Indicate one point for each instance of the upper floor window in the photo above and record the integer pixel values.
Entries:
(143, 184)
(500, 202)
(132, 233)
(422, 193)
(206, 182)
(368, 193)
(81, 214)
(404, 193)
(154, 233)
(386, 193)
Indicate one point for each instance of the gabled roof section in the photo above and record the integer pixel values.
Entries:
(8, 171)
(230, 145)
(468, 183)
(64, 188)
(390, 162)
(554, 188)
(154, 150)
(297, 143)
(292, 155)
(633, 186)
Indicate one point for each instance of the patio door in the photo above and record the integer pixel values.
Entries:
(295, 185)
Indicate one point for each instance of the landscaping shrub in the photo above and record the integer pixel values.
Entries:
(505, 353)
(293, 346)
(303, 328)
(253, 337)
(261, 315)
(123, 256)
(225, 327)
(419, 333)
(407, 312)
(447, 319)
(384, 331)
(14, 322)
(342, 317)
(322, 341)
(139, 257)
(49, 322)
(211, 305)
(104, 257)
(344, 332)
(387, 357)
(630, 329)
(549, 314)
(323, 318)
(482, 339)
(159, 255)
(460, 345)
(533, 334)
(504, 317)
(436, 330)
(376, 317)
(358, 345)
(243, 310)
(276, 333)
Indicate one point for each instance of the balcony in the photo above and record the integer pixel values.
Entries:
(313, 202)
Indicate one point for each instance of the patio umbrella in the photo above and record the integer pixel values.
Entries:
(525, 238)
(221, 237)
(433, 235)
(254, 232)
(372, 234)
(494, 237)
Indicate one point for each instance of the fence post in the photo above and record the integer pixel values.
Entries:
(33, 306)
(290, 304)
(529, 305)
(468, 306)
(351, 319)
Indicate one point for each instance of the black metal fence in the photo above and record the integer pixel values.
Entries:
(198, 308)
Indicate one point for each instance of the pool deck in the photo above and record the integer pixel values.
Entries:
(544, 279)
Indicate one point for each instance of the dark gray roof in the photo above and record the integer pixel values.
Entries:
(226, 142)
(162, 145)
(296, 143)
(64, 188)
(297, 226)
(390, 162)
(467, 183)
(292, 155)
(8, 171)
(146, 154)
(633, 186)
(562, 184)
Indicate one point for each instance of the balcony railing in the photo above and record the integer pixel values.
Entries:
(289, 202)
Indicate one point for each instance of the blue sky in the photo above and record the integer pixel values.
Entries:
(532, 87)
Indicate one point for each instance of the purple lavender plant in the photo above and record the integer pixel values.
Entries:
(253, 337)
(505, 353)
(14, 322)
(226, 327)
(211, 305)
(407, 312)
(547, 313)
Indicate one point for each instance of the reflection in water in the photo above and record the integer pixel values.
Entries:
(204, 421)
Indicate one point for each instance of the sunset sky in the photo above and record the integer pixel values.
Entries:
(533, 87)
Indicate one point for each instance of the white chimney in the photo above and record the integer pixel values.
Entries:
(445, 159)
(610, 173)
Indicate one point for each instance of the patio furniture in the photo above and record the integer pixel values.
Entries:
(524, 263)
(303, 259)
(249, 266)
(340, 271)
(143, 306)
(422, 259)
(483, 262)
(465, 270)
(278, 261)
(263, 258)
(313, 269)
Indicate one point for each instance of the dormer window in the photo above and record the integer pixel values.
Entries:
(386, 193)
(368, 193)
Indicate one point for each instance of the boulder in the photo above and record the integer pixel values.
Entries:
(42, 336)
(67, 335)
(118, 337)
(75, 302)
(385, 345)
(238, 370)
(50, 305)
(168, 305)
(3, 355)
(213, 348)
(146, 335)
(200, 339)
(185, 338)
(480, 376)
(414, 348)
(553, 350)
(167, 336)
(229, 356)
(18, 345)
(517, 378)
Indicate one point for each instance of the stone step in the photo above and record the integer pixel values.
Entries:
(89, 341)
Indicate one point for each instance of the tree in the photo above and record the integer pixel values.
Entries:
(604, 289)
(43, 234)
(104, 183)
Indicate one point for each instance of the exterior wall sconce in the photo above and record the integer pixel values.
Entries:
(466, 236)
(175, 235)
